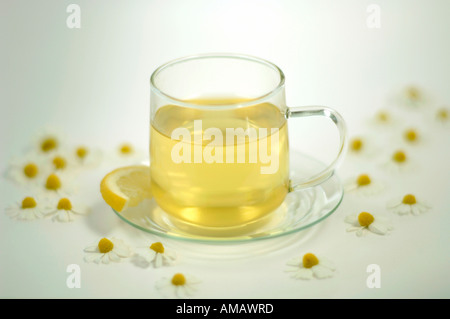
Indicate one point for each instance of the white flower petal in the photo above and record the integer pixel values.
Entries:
(158, 261)
(99, 258)
(148, 254)
(28, 216)
(62, 216)
(180, 292)
(378, 228)
(113, 256)
(37, 213)
(121, 250)
(91, 257)
(80, 209)
(16, 211)
(403, 209)
(168, 260)
(355, 228)
(170, 256)
(325, 262)
(189, 289)
(303, 273)
(361, 231)
(92, 249)
(295, 262)
(422, 207)
(105, 259)
(321, 272)
(51, 212)
(352, 219)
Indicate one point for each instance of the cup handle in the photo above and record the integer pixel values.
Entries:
(322, 176)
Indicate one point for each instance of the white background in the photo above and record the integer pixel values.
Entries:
(93, 84)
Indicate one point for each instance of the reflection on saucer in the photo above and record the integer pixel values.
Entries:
(300, 210)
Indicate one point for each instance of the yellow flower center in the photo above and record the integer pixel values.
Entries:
(126, 149)
(53, 182)
(356, 144)
(383, 116)
(409, 199)
(178, 280)
(442, 114)
(59, 162)
(399, 157)
(310, 260)
(64, 203)
(363, 180)
(30, 170)
(81, 152)
(413, 93)
(365, 219)
(28, 202)
(105, 245)
(411, 135)
(157, 247)
(49, 144)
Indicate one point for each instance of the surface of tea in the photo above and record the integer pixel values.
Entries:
(236, 180)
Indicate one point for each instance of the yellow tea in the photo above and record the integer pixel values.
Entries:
(218, 167)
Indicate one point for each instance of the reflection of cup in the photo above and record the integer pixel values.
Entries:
(218, 141)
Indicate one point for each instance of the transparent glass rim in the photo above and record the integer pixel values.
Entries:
(257, 100)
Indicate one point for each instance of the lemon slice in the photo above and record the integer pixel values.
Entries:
(126, 187)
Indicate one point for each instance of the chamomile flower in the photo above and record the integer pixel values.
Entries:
(179, 286)
(156, 254)
(64, 210)
(86, 156)
(408, 137)
(363, 185)
(127, 152)
(106, 251)
(361, 146)
(412, 97)
(27, 171)
(47, 141)
(364, 222)
(383, 119)
(310, 266)
(61, 163)
(443, 116)
(399, 161)
(58, 184)
(407, 204)
(29, 208)
(412, 136)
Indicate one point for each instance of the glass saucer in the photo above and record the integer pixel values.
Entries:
(300, 210)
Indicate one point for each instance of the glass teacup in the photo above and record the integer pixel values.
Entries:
(219, 151)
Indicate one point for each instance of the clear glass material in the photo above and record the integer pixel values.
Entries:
(217, 75)
(219, 191)
(301, 209)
